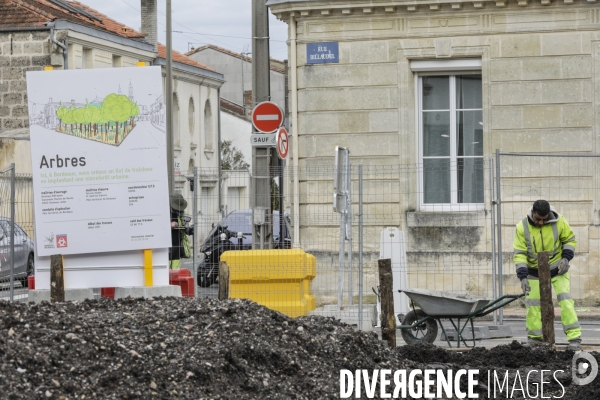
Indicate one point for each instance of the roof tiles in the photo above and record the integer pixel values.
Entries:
(178, 57)
(33, 13)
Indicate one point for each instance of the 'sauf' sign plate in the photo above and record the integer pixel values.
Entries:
(263, 139)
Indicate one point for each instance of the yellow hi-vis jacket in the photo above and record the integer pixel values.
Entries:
(554, 236)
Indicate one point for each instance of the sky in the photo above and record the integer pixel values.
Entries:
(223, 23)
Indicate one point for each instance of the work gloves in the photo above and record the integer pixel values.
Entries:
(525, 286)
(563, 266)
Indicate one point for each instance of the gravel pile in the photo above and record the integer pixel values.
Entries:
(194, 349)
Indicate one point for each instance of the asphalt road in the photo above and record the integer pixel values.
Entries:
(590, 333)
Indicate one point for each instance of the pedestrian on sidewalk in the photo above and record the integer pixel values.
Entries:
(545, 230)
(180, 245)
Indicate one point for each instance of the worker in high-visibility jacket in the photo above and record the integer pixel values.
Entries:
(544, 229)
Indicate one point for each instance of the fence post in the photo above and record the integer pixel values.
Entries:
(386, 291)
(360, 247)
(12, 232)
(341, 261)
(493, 204)
(499, 205)
(349, 237)
(57, 279)
(223, 280)
(195, 221)
(546, 305)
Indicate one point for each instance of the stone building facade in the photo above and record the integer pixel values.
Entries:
(423, 94)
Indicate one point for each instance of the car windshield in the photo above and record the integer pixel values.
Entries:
(242, 222)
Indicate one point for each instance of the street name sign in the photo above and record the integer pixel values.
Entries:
(267, 117)
(322, 53)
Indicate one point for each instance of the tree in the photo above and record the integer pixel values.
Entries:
(92, 115)
(60, 113)
(68, 118)
(117, 108)
(79, 118)
(232, 158)
(274, 194)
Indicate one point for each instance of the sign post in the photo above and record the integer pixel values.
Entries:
(267, 117)
(341, 204)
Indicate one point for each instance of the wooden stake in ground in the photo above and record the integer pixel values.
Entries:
(386, 292)
(546, 305)
(57, 279)
(223, 280)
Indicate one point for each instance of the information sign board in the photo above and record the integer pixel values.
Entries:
(99, 160)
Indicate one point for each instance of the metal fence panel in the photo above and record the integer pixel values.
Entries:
(23, 234)
(448, 246)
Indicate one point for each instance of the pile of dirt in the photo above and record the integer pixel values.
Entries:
(234, 349)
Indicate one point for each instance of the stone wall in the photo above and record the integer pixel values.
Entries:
(20, 52)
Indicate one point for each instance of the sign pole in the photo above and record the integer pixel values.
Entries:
(169, 99)
(261, 91)
(281, 216)
(282, 150)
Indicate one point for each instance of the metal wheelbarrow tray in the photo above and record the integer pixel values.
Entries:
(420, 325)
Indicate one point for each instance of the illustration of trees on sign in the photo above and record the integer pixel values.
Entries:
(108, 122)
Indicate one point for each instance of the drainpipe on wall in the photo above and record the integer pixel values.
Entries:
(64, 46)
(221, 208)
(294, 126)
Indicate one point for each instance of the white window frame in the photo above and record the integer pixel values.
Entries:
(447, 68)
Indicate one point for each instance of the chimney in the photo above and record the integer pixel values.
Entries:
(149, 22)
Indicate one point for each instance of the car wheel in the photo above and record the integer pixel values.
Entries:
(30, 270)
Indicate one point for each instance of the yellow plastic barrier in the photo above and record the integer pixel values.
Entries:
(277, 279)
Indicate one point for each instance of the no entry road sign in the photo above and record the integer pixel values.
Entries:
(267, 117)
(283, 143)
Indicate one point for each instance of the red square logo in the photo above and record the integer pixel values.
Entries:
(61, 241)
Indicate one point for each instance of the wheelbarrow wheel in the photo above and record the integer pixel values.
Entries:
(425, 332)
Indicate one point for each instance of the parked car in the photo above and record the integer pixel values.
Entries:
(24, 250)
(234, 232)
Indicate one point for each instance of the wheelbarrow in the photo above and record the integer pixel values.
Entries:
(421, 324)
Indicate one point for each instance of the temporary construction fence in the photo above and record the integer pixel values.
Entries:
(570, 183)
(443, 212)
(16, 244)
(452, 220)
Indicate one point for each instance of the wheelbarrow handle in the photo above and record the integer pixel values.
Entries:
(506, 299)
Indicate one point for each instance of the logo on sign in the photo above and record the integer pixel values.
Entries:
(61, 241)
(49, 241)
